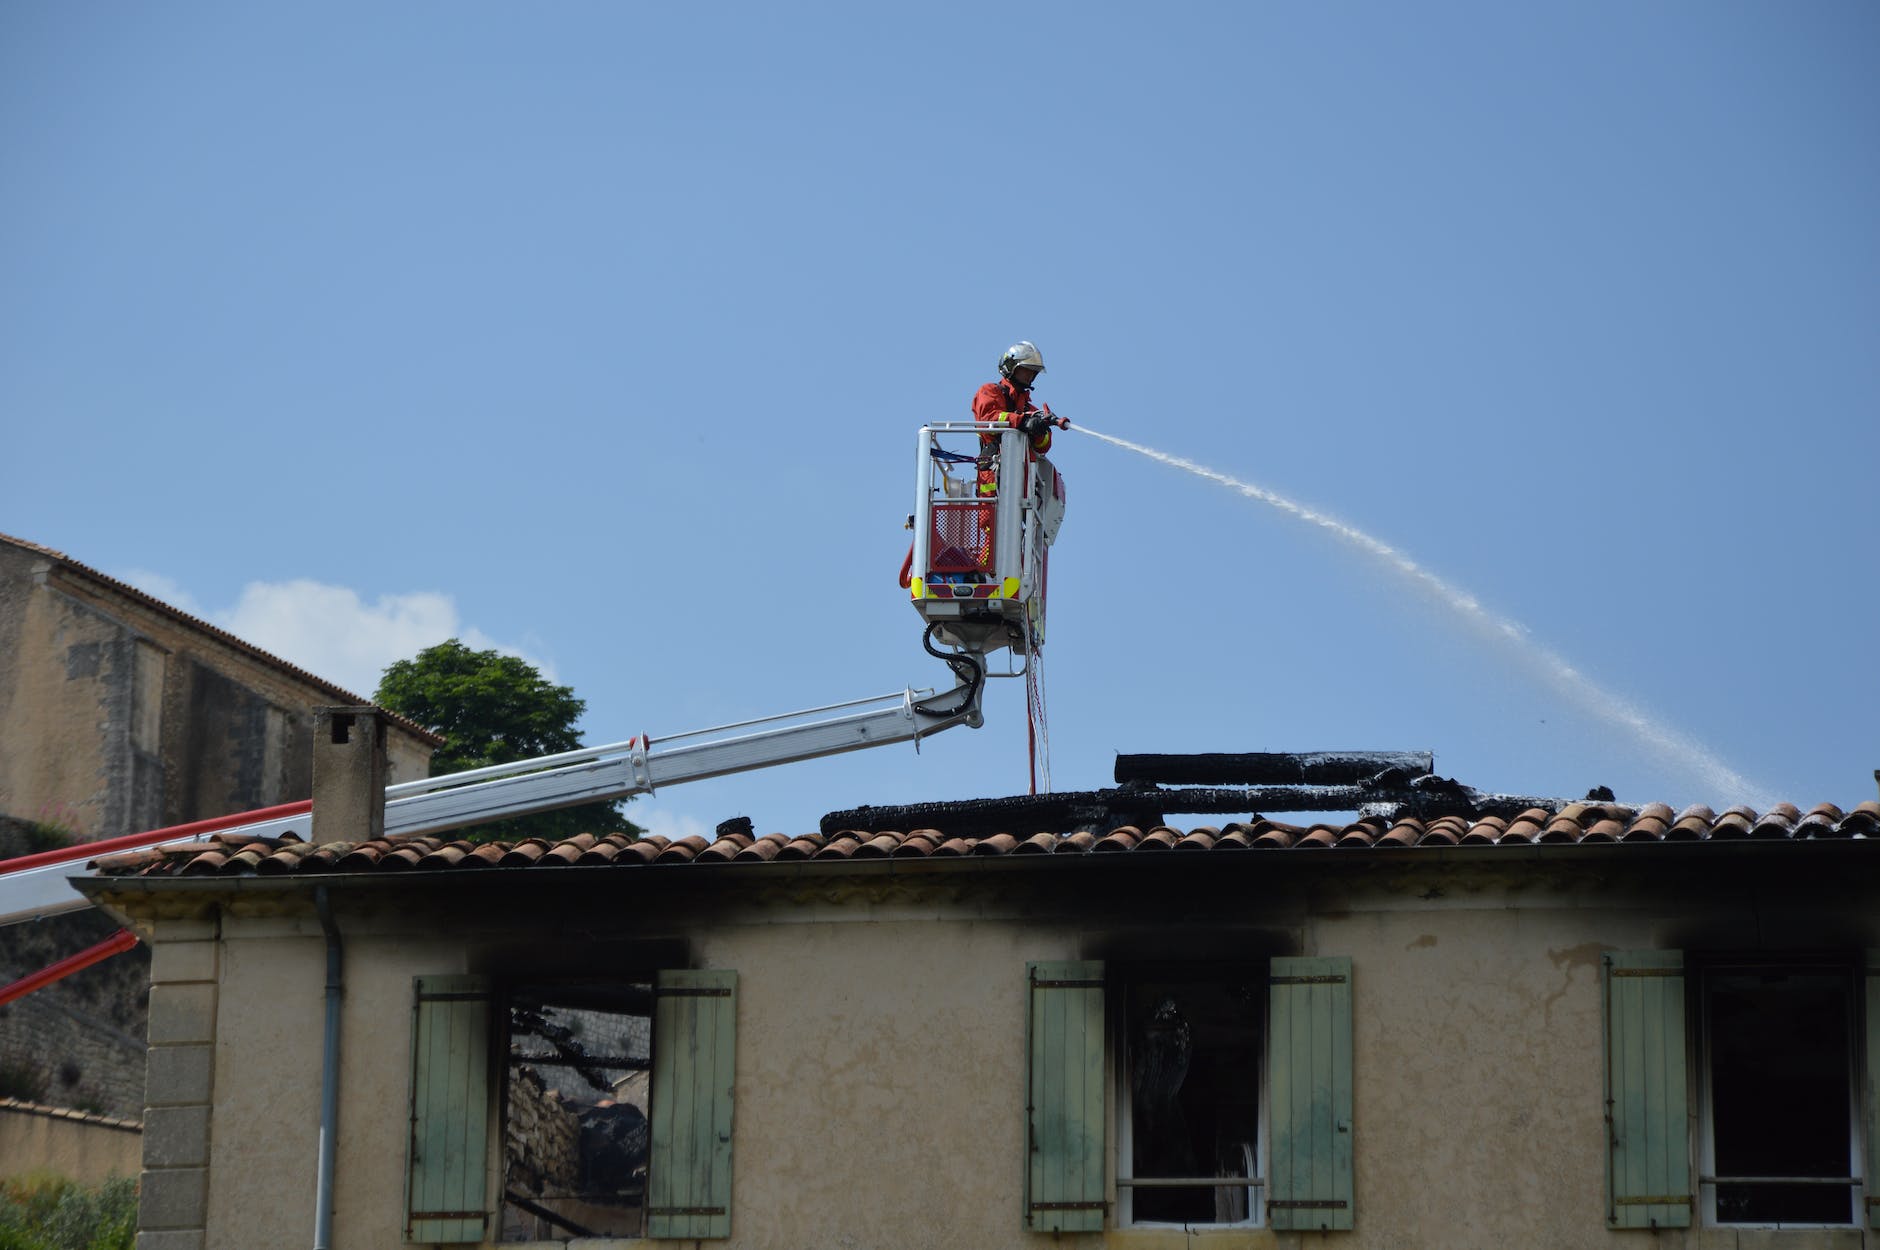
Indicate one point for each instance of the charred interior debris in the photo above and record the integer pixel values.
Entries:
(1391, 784)
(576, 1133)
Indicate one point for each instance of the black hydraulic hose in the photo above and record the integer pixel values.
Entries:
(969, 674)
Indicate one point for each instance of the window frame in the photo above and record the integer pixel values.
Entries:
(1705, 970)
(459, 1096)
(1121, 977)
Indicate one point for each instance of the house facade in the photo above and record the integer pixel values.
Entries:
(1594, 1027)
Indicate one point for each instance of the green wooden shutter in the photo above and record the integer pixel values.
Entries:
(1871, 1110)
(1308, 1077)
(1648, 1156)
(695, 1022)
(447, 1167)
(1064, 1097)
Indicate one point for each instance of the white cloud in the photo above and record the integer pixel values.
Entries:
(330, 630)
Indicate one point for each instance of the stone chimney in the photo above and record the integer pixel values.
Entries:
(349, 774)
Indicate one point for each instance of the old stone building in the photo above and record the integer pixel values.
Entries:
(119, 714)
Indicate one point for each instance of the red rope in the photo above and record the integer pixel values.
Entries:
(1031, 741)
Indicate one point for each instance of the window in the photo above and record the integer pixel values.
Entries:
(1190, 1075)
(598, 1108)
(1774, 1057)
(576, 1132)
(1205, 1063)
(1780, 1143)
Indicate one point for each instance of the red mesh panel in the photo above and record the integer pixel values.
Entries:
(962, 539)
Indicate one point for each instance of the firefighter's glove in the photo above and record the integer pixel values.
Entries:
(1033, 422)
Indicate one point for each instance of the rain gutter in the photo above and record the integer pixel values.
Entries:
(329, 1078)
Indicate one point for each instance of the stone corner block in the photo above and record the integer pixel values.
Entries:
(182, 1013)
(173, 1198)
(183, 961)
(176, 1137)
(176, 1075)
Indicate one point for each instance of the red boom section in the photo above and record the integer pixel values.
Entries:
(174, 833)
(116, 944)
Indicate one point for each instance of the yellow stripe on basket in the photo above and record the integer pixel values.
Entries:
(1009, 590)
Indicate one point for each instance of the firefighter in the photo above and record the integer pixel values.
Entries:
(1007, 402)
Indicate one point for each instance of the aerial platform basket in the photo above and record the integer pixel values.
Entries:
(986, 513)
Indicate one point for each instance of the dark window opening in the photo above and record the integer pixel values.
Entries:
(576, 1113)
(1781, 1095)
(1192, 1047)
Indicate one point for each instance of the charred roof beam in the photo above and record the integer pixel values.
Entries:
(1273, 768)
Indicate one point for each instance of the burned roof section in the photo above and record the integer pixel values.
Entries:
(1391, 785)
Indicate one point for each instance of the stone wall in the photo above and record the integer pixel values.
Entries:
(78, 1146)
(542, 1138)
(79, 1042)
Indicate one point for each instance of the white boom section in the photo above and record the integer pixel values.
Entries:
(590, 775)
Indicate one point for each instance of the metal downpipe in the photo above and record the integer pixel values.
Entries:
(329, 1079)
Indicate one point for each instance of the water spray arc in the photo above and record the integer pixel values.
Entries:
(1668, 744)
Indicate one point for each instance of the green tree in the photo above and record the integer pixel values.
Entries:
(495, 709)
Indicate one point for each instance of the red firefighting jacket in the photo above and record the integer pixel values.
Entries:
(1001, 403)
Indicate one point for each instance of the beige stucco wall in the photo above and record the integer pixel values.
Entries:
(79, 1147)
(116, 717)
(881, 1045)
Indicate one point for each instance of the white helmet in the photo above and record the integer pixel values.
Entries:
(1020, 356)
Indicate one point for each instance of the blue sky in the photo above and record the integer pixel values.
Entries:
(601, 332)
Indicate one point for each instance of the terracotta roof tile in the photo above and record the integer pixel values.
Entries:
(1583, 823)
(204, 863)
(1201, 839)
(726, 846)
(762, 850)
(490, 854)
(682, 851)
(801, 847)
(446, 856)
(522, 854)
(1319, 837)
(1864, 820)
(1485, 832)
(1777, 822)
(918, 844)
(608, 849)
(1607, 830)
